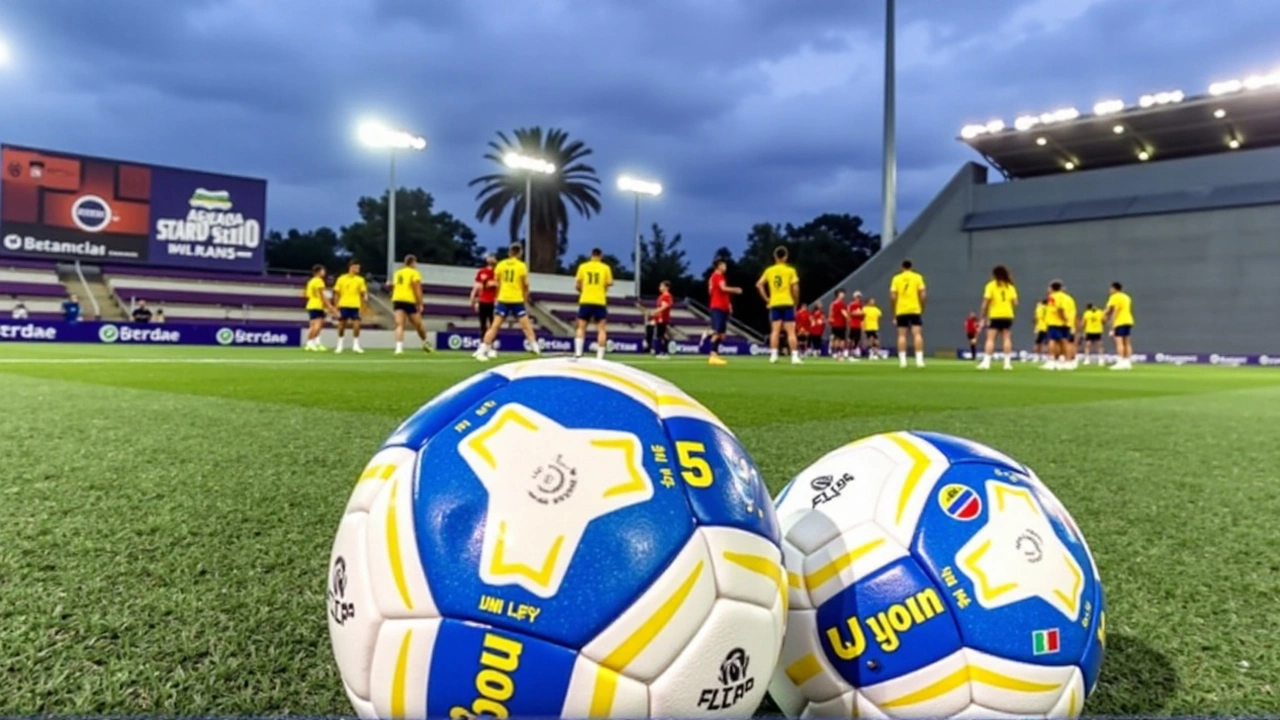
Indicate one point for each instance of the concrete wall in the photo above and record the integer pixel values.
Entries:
(1201, 281)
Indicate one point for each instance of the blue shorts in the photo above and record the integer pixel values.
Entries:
(506, 310)
(1058, 334)
(315, 314)
(782, 314)
(349, 314)
(593, 313)
(1123, 330)
(719, 321)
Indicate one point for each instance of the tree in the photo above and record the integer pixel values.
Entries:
(574, 182)
(826, 249)
(434, 237)
(662, 258)
(297, 250)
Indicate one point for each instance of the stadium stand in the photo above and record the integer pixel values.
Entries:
(35, 285)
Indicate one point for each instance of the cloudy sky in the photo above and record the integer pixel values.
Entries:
(746, 110)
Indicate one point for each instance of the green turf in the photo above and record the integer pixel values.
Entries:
(165, 522)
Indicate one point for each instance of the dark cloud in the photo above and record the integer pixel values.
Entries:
(746, 110)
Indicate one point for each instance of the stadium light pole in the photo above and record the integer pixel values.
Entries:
(529, 165)
(638, 187)
(888, 230)
(376, 135)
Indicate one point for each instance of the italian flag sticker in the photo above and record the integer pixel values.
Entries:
(1046, 641)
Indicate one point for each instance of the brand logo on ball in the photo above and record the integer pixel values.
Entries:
(960, 502)
(91, 213)
(225, 336)
(455, 342)
(1030, 545)
(734, 681)
(108, 333)
(340, 610)
(829, 487)
(554, 482)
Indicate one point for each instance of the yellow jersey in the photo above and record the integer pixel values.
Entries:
(596, 277)
(402, 285)
(1122, 306)
(1001, 299)
(780, 278)
(1093, 321)
(512, 274)
(315, 293)
(1042, 317)
(871, 318)
(1060, 301)
(351, 290)
(907, 286)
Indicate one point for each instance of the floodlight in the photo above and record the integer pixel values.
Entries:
(1026, 122)
(1143, 155)
(1219, 113)
(1161, 98)
(1069, 165)
(376, 135)
(626, 183)
(1041, 141)
(516, 161)
(1107, 107)
(969, 132)
(1118, 129)
(6, 54)
(1234, 144)
(1226, 86)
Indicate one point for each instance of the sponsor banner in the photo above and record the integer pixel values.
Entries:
(148, 334)
(510, 340)
(1167, 358)
(57, 205)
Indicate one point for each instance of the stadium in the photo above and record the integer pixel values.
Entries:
(174, 488)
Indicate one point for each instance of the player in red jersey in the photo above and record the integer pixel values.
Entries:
(719, 292)
(971, 327)
(484, 293)
(853, 342)
(839, 316)
(817, 328)
(802, 328)
(662, 320)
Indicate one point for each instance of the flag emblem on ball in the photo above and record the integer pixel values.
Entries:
(1045, 642)
(960, 501)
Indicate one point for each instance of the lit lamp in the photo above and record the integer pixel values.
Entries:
(638, 187)
(376, 135)
(530, 166)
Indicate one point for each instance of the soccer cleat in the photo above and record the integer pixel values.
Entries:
(337, 350)
(399, 351)
(426, 347)
(717, 360)
(321, 348)
(357, 350)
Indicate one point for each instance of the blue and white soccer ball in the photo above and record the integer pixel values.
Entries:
(934, 577)
(558, 538)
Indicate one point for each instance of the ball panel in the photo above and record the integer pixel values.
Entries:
(908, 488)
(979, 712)
(722, 482)
(937, 690)
(444, 410)
(491, 671)
(957, 449)
(578, 523)
(392, 549)
(364, 709)
(747, 567)
(840, 707)
(803, 665)
(864, 708)
(646, 638)
(353, 613)
(598, 692)
(1013, 577)
(841, 487)
(887, 625)
(1014, 687)
(1071, 703)
(1096, 647)
(722, 671)
(401, 668)
(793, 564)
(850, 557)
(388, 464)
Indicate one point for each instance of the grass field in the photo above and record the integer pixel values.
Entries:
(166, 515)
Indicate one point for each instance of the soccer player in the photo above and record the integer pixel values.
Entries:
(802, 328)
(908, 296)
(718, 292)
(484, 292)
(662, 321)
(856, 317)
(1042, 329)
(871, 326)
(971, 333)
(352, 295)
(817, 328)
(1092, 323)
(513, 294)
(318, 307)
(839, 325)
(1120, 314)
(593, 280)
(406, 300)
(999, 303)
(1061, 316)
(780, 286)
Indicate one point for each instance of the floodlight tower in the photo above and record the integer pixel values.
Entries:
(376, 135)
(638, 187)
(529, 165)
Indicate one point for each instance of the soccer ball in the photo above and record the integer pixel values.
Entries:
(558, 538)
(934, 577)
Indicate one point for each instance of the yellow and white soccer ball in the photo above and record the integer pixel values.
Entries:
(934, 577)
(557, 538)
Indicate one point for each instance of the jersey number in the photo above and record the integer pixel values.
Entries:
(777, 281)
(694, 469)
(593, 278)
(509, 276)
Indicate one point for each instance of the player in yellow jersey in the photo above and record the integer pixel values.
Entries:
(351, 295)
(1092, 323)
(1120, 313)
(999, 303)
(1042, 329)
(1061, 320)
(871, 314)
(318, 308)
(593, 280)
(513, 293)
(908, 296)
(406, 300)
(780, 287)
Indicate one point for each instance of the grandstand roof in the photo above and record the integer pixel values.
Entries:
(1237, 114)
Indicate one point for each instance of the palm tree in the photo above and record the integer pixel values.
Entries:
(573, 182)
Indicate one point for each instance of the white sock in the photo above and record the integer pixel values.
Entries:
(577, 346)
(399, 346)
(355, 343)
(600, 353)
(773, 354)
(919, 358)
(341, 341)
(311, 343)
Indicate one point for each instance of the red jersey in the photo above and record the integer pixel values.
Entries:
(838, 317)
(488, 293)
(663, 314)
(719, 298)
(971, 326)
(802, 319)
(817, 322)
(855, 317)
